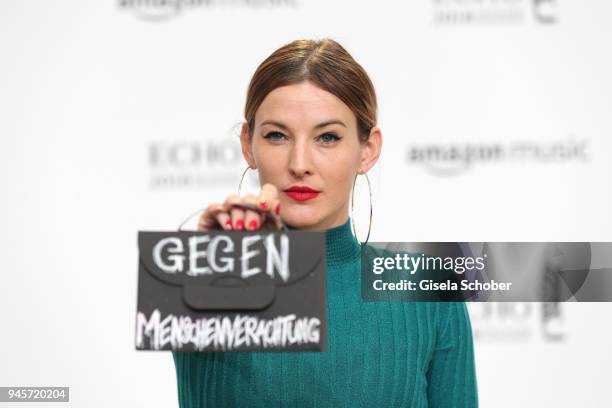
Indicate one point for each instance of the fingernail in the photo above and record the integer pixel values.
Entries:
(277, 209)
(253, 225)
(263, 204)
(228, 225)
(240, 224)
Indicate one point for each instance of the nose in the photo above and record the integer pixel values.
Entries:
(299, 158)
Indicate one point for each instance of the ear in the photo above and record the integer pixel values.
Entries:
(245, 143)
(370, 150)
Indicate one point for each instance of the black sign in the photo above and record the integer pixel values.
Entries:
(231, 291)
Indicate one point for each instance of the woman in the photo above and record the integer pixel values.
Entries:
(310, 129)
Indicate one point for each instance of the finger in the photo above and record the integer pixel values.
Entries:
(276, 206)
(269, 201)
(232, 199)
(236, 213)
(272, 222)
(237, 217)
(268, 193)
(269, 217)
(208, 219)
(223, 218)
(252, 218)
(272, 218)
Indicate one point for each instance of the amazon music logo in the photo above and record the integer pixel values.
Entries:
(189, 164)
(164, 10)
(449, 159)
(497, 12)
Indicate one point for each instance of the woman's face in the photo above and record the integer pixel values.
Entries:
(307, 137)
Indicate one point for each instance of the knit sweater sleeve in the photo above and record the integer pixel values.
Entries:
(452, 375)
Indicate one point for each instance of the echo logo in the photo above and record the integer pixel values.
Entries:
(193, 154)
(189, 164)
(544, 11)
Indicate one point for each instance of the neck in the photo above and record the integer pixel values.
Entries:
(327, 225)
(340, 243)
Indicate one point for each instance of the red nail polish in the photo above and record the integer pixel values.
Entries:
(277, 209)
(228, 225)
(263, 204)
(253, 225)
(240, 224)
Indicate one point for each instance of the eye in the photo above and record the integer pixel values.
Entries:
(329, 138)
(274, 135)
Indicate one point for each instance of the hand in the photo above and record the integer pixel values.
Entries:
(249, 212)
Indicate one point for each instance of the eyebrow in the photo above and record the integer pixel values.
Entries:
(320, 125)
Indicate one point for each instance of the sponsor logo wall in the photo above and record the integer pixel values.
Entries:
(496, 127)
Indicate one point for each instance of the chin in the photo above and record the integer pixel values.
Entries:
(300, 218)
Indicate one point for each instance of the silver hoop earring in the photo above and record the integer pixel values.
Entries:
(242, 178)
(353, 201)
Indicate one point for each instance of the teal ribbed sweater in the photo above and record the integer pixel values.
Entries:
(391, 354)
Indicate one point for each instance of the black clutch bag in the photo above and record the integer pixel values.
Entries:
(231, 291)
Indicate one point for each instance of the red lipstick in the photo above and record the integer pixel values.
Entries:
(302, 193)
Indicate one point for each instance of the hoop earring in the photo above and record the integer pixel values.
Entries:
(352, 216)
(242, 178)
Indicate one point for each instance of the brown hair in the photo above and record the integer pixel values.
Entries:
(326, 64)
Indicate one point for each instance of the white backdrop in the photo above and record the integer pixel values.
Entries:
(117, 116)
